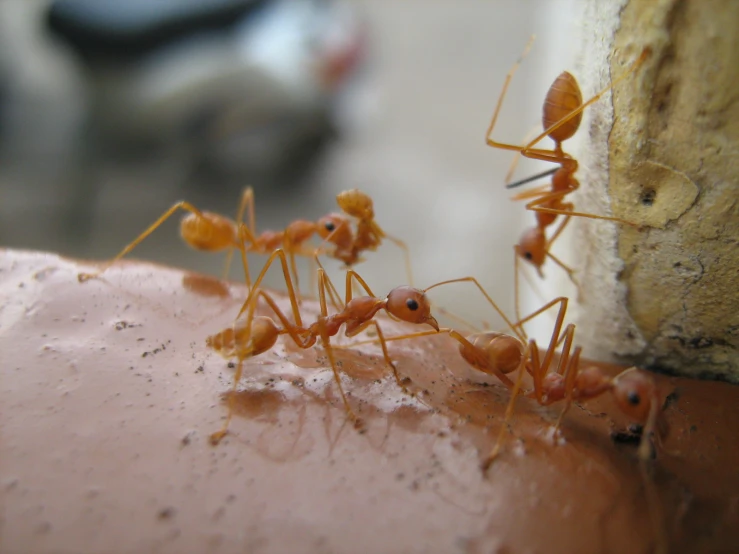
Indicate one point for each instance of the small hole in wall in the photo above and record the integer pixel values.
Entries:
(647, 196)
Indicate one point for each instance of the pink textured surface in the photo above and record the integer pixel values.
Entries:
(108, 394)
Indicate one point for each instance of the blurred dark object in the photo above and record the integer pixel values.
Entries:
(233, 85)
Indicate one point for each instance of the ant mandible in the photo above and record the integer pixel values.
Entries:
(251, 336)
(562, 113)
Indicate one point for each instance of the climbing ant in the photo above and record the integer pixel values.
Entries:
(562, 113)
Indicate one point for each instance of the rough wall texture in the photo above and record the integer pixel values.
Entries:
(672, 167)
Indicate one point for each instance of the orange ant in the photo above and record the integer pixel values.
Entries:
(212, 232)
(500, 354)
(251, 336)
(562, 114)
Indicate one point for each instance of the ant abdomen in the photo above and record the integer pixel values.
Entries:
(238, 342)
(634, 393)
(564, 97)
(503, 352)
(208, 231)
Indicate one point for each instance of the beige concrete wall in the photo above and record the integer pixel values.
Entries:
(665, 294)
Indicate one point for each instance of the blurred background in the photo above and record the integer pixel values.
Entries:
(110, 112)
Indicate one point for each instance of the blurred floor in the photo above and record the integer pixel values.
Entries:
(416, 146)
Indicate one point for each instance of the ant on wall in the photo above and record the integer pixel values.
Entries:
(253, 335)
(562, 114)
(212, 232)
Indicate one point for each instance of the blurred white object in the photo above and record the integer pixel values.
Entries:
(235, 83)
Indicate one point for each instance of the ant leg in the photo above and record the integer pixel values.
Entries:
(517, 293)
(388, 361)
(549, 355)
(458, 319)
(216, 437)
(406, 255)
(452, 333)
(82, 277)
(560, 228)
(325, 341)
(292, 330)
(562, 301)
(645, 448)
(509, 409)
(536, 206)
(500, 312)
(489, 141)
(383, 344)
(332, 292)
(537, 375)
(400, 244)
(353, 278)
(247, 199)
(517, 156)
(404, 336)
(518, 270)
(570, 273)
(532, 193)
(356, 289)
(353, 275)
(570, 373)
(279, 253)
(290, 249)
(246, 234)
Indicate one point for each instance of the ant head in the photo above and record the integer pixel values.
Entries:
(330, 223)
(411, 305)
(634, 393)
(532, 247)
(356, 203)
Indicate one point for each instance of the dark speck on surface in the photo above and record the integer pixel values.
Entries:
(166, 513)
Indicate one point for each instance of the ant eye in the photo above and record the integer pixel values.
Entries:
(412, 304)
(528, 255)
(330, 226)
(634, 398)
